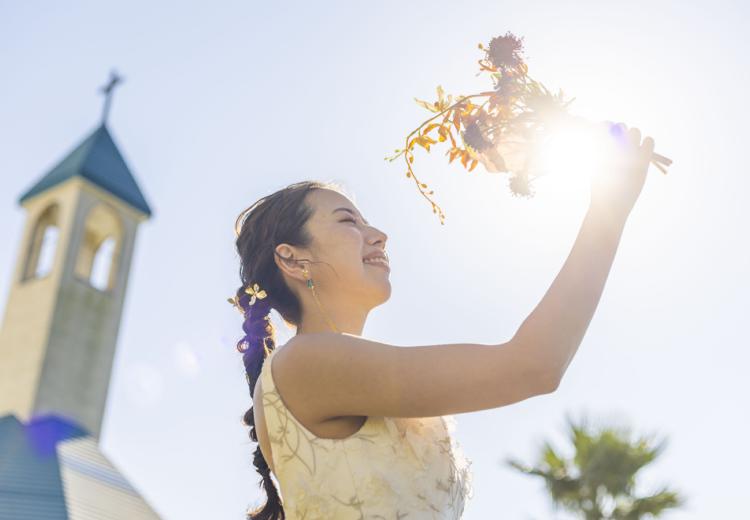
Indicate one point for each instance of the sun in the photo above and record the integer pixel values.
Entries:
(573, 150)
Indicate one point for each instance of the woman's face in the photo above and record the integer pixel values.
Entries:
(342, 237)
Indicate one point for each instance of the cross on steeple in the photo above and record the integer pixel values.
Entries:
(114, 79)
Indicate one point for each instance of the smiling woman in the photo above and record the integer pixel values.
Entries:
(308, 252)
(354, 428)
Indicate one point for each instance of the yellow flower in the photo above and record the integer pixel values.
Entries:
(255, 291)
(234, 301)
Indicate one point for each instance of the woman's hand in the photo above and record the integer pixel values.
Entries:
(618, 182)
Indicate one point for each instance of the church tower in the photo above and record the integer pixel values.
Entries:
(59, 332)
(58, 338)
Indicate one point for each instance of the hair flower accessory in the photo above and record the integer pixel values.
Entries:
(255, 292)
(236, 302)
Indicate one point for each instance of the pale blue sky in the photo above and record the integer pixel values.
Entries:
(224, 102)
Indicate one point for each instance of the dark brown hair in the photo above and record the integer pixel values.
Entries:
(274, 219)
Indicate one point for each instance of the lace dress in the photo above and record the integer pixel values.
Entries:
(392, 468)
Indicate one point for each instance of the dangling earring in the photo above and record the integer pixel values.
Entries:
(311, 285)
(309, 280)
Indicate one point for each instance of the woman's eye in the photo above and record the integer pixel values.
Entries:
(349, 220)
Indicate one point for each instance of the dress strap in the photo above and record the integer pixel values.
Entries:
(289, 438)
(270, 401)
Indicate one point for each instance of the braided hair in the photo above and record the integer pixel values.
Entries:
(274, 219)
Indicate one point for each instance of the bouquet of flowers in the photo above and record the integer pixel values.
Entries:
(503, 128)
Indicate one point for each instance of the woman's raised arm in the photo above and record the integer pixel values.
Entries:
(333, 375)
(558, 323)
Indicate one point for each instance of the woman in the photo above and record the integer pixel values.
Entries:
(353, 428)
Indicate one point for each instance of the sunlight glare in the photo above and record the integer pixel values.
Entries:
(574, 151)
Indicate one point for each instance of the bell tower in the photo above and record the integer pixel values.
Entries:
(59, 331)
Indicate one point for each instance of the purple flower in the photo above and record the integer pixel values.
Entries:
(504, 51)
(474, 137)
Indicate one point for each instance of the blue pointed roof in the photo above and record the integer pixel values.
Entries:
(98, 160)
(30, 485)
(51, 468)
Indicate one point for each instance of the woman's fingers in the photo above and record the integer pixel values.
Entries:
(621, 133)
(648, 146)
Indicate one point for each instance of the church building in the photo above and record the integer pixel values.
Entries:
(59, 334)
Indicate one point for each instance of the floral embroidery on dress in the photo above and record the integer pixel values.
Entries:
(293, 441)
(392, 468)
(461, 464)
(441, 460)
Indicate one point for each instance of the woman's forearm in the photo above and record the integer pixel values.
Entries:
(555, 328)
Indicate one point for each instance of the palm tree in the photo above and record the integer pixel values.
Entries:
(598, 482)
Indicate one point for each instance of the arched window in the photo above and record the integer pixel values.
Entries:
(102, 264)
(47, 251)
(97, 259)
(43, 244)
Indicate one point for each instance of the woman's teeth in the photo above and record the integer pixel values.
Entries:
(378, 261)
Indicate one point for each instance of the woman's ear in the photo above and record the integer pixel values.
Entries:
(287, 263)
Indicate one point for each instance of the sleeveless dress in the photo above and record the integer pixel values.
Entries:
(392, 468)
